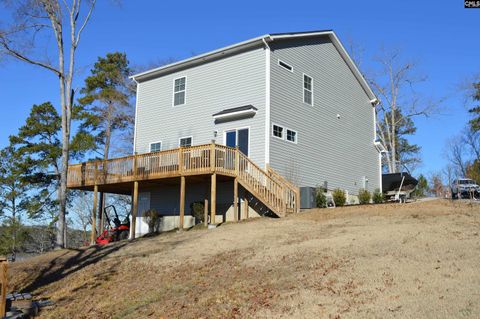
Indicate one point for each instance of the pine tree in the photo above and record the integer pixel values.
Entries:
(406, 154)
(475, 122)
(106, 103)
(15, 201)
(39, 148)
(422, 187)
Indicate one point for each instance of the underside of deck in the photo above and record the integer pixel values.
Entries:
(209, 164)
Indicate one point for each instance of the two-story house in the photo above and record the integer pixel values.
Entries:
(294, 105)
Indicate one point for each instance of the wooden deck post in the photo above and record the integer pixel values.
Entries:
(133, 225)
(182, 201)
(235, 199)
(205, 216)
(180, 160)
(213, 198)
(94, 215)
(3, 286)
(101, 208)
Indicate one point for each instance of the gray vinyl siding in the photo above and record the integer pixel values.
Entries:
(339, 151)
(211, 87)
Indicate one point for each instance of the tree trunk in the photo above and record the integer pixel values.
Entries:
(14, 230)
(393, 155)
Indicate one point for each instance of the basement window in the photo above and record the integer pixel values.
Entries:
(277, 131)
(285, 66)
(179, 91)
(291, 136)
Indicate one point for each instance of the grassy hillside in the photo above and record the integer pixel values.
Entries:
(385, 261)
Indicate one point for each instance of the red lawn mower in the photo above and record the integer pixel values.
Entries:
(119, 231)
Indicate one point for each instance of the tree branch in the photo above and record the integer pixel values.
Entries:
(24, 58)
(87, 18)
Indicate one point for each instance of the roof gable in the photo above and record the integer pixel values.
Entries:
(254, 43)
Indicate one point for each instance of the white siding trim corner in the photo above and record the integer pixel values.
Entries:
(136, 116)
(267, 103)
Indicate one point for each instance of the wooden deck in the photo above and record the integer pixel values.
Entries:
(269, 187)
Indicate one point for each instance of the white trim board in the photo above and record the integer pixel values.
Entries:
(267, 103)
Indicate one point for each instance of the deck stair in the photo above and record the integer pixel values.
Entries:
(269, 187)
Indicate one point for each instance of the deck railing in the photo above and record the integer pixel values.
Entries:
(269, 187)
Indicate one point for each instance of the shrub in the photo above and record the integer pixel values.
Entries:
(198, 211)
(364, 196)
(377, 196)
(339, 197)
(153, 220)
(321, 198)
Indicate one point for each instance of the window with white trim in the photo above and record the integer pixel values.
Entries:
(155, 147)
(179, 91)
(307, 89)
(185, 141)
(291, 136)
(277, 131)
(285, 65)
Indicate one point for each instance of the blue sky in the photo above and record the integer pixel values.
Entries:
(441, 36)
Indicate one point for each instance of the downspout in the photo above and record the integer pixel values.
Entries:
(374, 103)
(267, 100)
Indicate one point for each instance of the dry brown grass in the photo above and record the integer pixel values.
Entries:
(418, 260)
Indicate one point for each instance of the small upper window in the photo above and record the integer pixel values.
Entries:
(179, 90)
(285, 65)
(277, 131)
(186, 141)
(156, 147)
(291, 136)
(307, 89)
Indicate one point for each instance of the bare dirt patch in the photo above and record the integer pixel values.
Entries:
(418, 260)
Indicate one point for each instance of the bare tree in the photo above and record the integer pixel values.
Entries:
(449, 173)
(471, 139)
(437, 184)
(398, 105)
(38, 20)
(82, 208)
(455, 153)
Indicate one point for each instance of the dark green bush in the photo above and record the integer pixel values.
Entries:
(378, 196)
(339, 197)
(321, 198)
(364, 196)
(198, 211)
